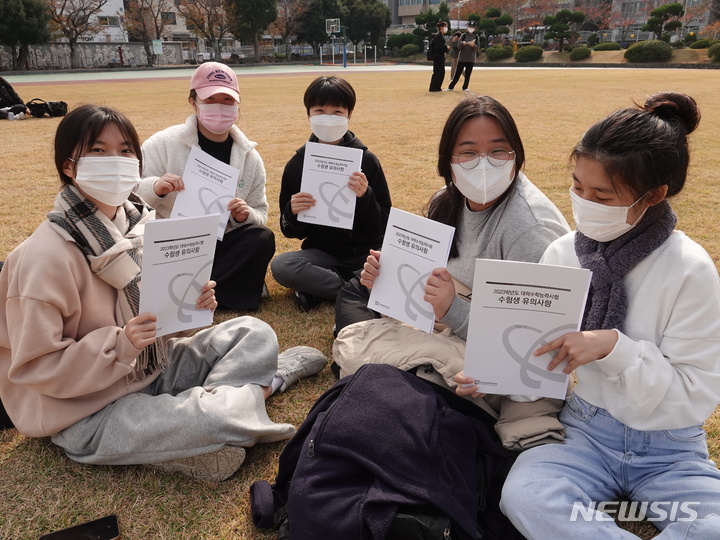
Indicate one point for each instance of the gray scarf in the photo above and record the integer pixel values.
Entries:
(610, 261)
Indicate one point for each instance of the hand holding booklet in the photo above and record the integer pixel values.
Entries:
(516, 308)
(210, 185)
(412, 248)
(177, 260)
(326, 171)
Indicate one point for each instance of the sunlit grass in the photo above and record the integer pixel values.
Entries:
(401, 122)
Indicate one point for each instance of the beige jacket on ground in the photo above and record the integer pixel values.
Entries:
(520, 425)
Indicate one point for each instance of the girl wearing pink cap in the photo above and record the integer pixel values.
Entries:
(242, 257)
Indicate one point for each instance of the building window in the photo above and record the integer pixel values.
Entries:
(108, 21)
(168, 17)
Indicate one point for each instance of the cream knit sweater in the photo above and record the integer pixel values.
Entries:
(168, 150)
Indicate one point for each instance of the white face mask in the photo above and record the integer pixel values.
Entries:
(108, 179)
(217, 117)
(601, 222)
(485, 182)
(329, 127)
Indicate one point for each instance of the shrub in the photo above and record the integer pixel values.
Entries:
(409, 49)
(607, 46)
(592, 39)
(677, 44)
(396, 42)
(700, 44)
(690, 38)
(652, 50)
(714, 52)
(498, 52)
(528, 54)
(580, 53)
(665, 37)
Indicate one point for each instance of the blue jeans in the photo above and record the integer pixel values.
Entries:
(560, 491)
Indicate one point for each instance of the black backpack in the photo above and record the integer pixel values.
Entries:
(39, 108)
(382, 453)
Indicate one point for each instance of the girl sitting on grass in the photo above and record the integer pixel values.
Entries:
(647, 358)
(78, 362)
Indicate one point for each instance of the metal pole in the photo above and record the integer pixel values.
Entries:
(344, 48)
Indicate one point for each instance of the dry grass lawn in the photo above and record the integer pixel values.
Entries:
(400, 121)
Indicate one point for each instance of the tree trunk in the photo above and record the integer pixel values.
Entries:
(74, 64)
(256, 45)
(15, 55)
(149, 53)
(216, 48)
(22, 56)
(714, 11)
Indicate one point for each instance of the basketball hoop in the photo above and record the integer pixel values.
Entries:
(332, 26)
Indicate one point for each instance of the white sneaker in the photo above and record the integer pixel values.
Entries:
(297, 363)
(213, 467)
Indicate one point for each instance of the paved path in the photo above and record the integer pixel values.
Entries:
(117, 74)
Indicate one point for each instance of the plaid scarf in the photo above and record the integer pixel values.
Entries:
(609, 261)
(114, 252)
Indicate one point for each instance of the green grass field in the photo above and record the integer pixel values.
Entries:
(401, 122)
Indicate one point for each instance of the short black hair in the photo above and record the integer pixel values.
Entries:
(333, 91)
(81, 127)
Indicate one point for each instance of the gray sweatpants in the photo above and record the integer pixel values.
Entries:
(209, 396)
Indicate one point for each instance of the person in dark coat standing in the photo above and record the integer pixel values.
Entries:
(437, 50)
(468, 46)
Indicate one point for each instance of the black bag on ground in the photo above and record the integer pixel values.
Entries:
(39, 108)
(381, 452)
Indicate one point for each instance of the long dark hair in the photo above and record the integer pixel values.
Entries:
(445, 206)
(81, 127)
(644, 147)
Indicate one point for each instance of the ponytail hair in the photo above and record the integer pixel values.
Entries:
(646, 146)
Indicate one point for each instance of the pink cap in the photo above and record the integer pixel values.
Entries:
(214, 78)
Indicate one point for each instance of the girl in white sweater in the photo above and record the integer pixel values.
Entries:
(647, 358)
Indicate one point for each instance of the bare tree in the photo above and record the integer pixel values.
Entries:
(208, 19)
(284, 25)
(72, 19)
(714, 11)
(145, 20)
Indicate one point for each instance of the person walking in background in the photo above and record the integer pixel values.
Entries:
(467, 45)
(454, 54)
(243, 255)
(437, 51)
(329, 255)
